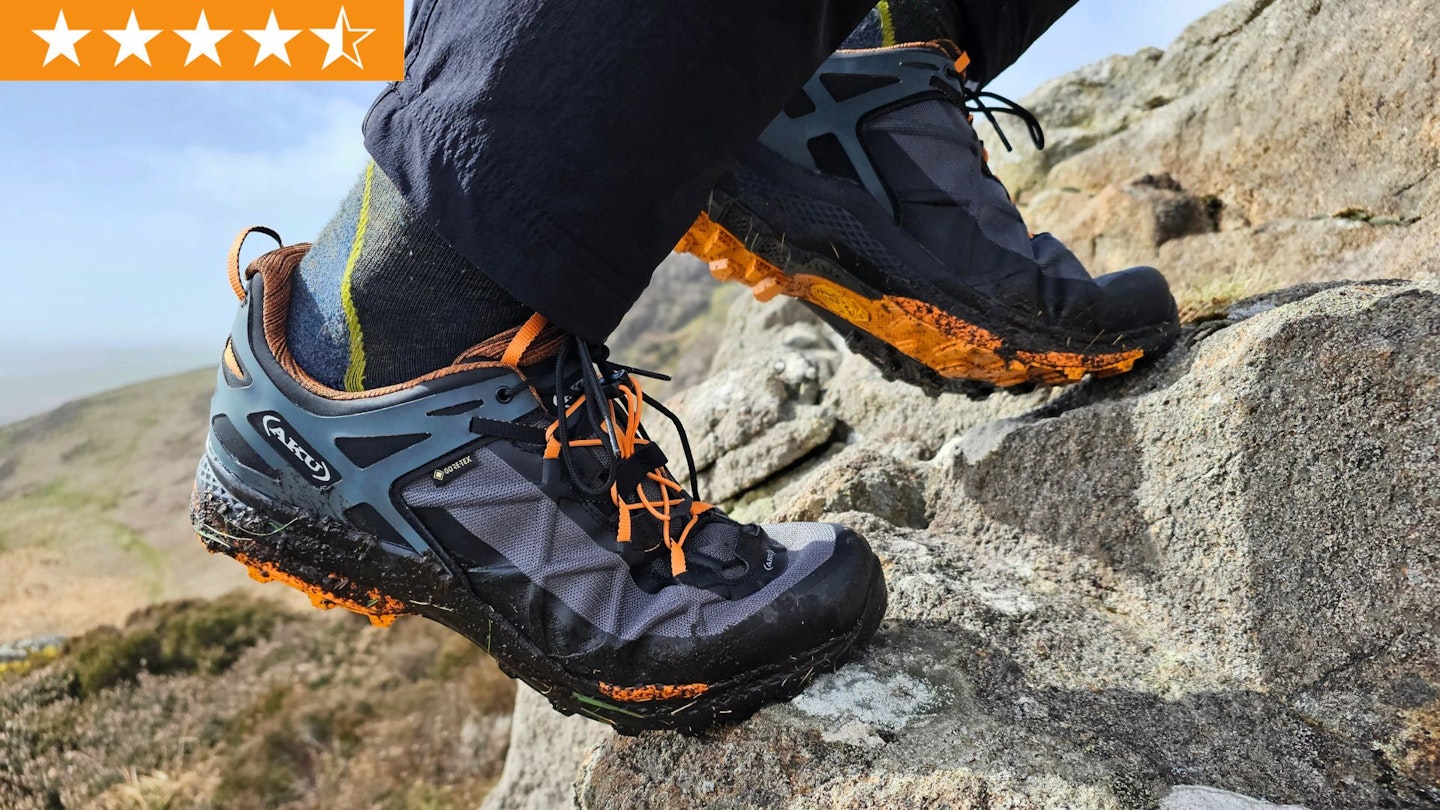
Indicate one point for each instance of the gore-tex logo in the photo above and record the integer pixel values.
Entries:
(444, 474)
(297, 452)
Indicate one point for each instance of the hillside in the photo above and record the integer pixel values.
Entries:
(93, 509)
(249, 701)
(238, 703)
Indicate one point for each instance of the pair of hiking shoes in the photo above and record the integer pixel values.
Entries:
(515, 496)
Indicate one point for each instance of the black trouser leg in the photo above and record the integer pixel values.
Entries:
(996, 32)
(564, 146)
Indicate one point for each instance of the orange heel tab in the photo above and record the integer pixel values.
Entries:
(522, 340)
(236, 282)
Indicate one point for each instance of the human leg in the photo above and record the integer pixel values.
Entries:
(512, 494)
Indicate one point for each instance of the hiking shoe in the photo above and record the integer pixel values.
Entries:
(514, 498)
(869, 199)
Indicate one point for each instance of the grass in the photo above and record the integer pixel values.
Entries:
(240, 704)
(1212, 298)
(59, 517)
(92, 499)
(184, 637)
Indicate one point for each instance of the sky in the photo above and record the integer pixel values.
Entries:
(119, 200)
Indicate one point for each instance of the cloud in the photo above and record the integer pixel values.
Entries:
(123, 241)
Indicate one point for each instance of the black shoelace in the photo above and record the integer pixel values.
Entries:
(974, 100)
(604, 386)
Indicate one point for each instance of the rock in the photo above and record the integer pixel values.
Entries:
(1212, 583)
(859, 479)
(544, 777)
(26, 647)
(1127, 223)
(783, 386)
(752, 420)
(770, 452)
(1191, 797)
(1222, 572)
(1280, 106)
(1270, 114)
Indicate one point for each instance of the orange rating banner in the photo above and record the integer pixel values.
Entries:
(202, 40)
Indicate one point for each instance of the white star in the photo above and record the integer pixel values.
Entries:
(272, 41)
(61, 40)
(203, 39)
(132, 41)
(335, 39)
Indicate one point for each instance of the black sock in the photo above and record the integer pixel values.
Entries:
(896, 22)
(381, 298)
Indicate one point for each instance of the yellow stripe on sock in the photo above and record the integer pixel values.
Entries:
(887, 25)
(355, 372)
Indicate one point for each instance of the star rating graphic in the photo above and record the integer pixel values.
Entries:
(140, 48)
(272, 39)
(61, 40)
(335, 40)
(132, 41)
(203, 40)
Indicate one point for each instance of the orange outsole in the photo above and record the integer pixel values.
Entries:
(380, 609)
(659, 691)
(953, 348)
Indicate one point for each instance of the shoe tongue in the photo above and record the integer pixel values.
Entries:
(633, 481)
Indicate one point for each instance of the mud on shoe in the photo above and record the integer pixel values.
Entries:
(515, 498)
(870, 199)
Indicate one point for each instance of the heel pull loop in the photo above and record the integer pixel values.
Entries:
(515, 352)
(236, 282)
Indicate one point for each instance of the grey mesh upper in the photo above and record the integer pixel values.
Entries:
(511, 515)
(941, 147)
(789, 136)
(926, 151)
(937, 151)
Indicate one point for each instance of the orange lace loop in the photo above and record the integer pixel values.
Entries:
(530, 330)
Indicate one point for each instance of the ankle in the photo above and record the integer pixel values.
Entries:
(381, 298)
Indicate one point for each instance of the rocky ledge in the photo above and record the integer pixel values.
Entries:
(1212, 584)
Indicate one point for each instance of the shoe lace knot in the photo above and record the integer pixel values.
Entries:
(601, 413)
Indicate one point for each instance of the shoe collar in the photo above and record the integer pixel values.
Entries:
(529, 343)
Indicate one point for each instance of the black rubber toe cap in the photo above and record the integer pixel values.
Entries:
(1135, 299)
(848, 584)
(836, 606)
(835, 601)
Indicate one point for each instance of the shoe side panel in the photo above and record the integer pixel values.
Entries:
(294, 431)
(584, 597)
(510, 514)
(790, 137)
(927, 211)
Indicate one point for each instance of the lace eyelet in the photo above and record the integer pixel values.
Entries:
(504, 395)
